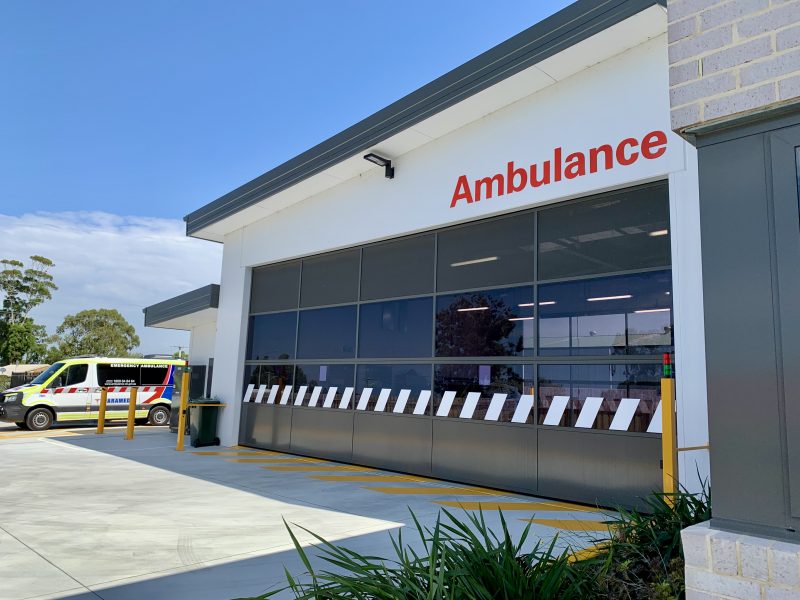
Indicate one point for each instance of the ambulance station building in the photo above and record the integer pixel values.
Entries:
(480, 281)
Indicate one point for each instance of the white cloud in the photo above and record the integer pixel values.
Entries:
(110, 261)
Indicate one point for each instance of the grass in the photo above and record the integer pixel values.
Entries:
(464, 559)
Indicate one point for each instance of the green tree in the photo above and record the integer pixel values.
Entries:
(23, 289)
(100, 331)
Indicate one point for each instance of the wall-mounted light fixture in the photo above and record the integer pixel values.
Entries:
(381, 162)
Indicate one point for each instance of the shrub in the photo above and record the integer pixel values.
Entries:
(644, 558)
(462, 560)
(466, 560)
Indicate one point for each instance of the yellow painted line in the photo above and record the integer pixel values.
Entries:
(589, 552)
(237, 453)
(317, 468)
(570, 524)
(533, 506)
(35, 434)
(436, 491)
(274, 460)
(369, 478)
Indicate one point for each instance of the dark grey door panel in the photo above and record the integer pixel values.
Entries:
(598, 468)
(400, 443)
(490, 454)
(327, 433)
(266, 426)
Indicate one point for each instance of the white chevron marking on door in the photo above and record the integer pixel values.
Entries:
(301, 395)
(495, 407)
(556, 410)
(523, 409)
(624, 415)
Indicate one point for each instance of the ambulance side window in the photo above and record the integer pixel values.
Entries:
(117, 374)
(75, 374)
(58, 380)
(154, 374)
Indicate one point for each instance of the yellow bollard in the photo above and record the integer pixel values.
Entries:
(101, 417)
(183, 409)
(131, 413)
(669, 431)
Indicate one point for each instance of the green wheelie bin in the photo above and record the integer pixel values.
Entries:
(203, 416)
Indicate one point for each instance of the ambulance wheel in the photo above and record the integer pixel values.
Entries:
(21, 425)
(158, 416)
(39, 419)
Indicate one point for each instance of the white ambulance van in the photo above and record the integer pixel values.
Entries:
(69, 391)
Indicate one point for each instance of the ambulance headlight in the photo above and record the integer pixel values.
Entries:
(13, 397)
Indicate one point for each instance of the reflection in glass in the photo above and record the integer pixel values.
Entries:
(622, 231)
(489, 253)
(272, 336)
(275, 287)
(485, 323)
(330, 279)
(399, 268)
(395, 329)
(269, 383)
(394, 388)
(327, 333)
(628, 314)
(630, 393)
(324, 386)
(485, 392)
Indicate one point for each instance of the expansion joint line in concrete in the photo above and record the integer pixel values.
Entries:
(50, 562)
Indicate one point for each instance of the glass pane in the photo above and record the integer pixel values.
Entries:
(623, 231)
(275, 287)
(627, 314)
(327, 333)
(502, 393)
(330, 279)
(402, 389)
(272, 336)
(618, 397)
(76, 374)
(325, 386)
(116, 374)
(401, 268)
(485, 323)
(495, 252)
(396, 329)
(272, 383)
(250, 377)
(154, 374)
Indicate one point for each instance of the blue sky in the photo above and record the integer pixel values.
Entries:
(153, 108)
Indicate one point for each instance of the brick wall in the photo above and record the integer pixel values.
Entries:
(722, 565)
(731, 57)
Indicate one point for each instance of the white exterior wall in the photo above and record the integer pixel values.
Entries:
(229, 348)
(626, 96)
(201, 343)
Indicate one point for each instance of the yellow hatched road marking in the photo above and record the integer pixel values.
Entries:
(570, 524)
(589, 552)
(436, 491)
(369, 478)
(35, 434)
(274, 460)
(543, 506)
(318, 468)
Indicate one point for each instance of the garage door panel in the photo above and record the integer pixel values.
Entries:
(397, 442)
(492, 454)
(327, 433)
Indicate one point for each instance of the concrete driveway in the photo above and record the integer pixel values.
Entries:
(86, 516)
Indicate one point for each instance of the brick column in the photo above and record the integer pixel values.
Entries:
(731, 58)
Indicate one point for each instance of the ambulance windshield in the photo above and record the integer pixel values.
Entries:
(46, 375)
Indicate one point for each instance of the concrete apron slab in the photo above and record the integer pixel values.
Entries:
(135, 519)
